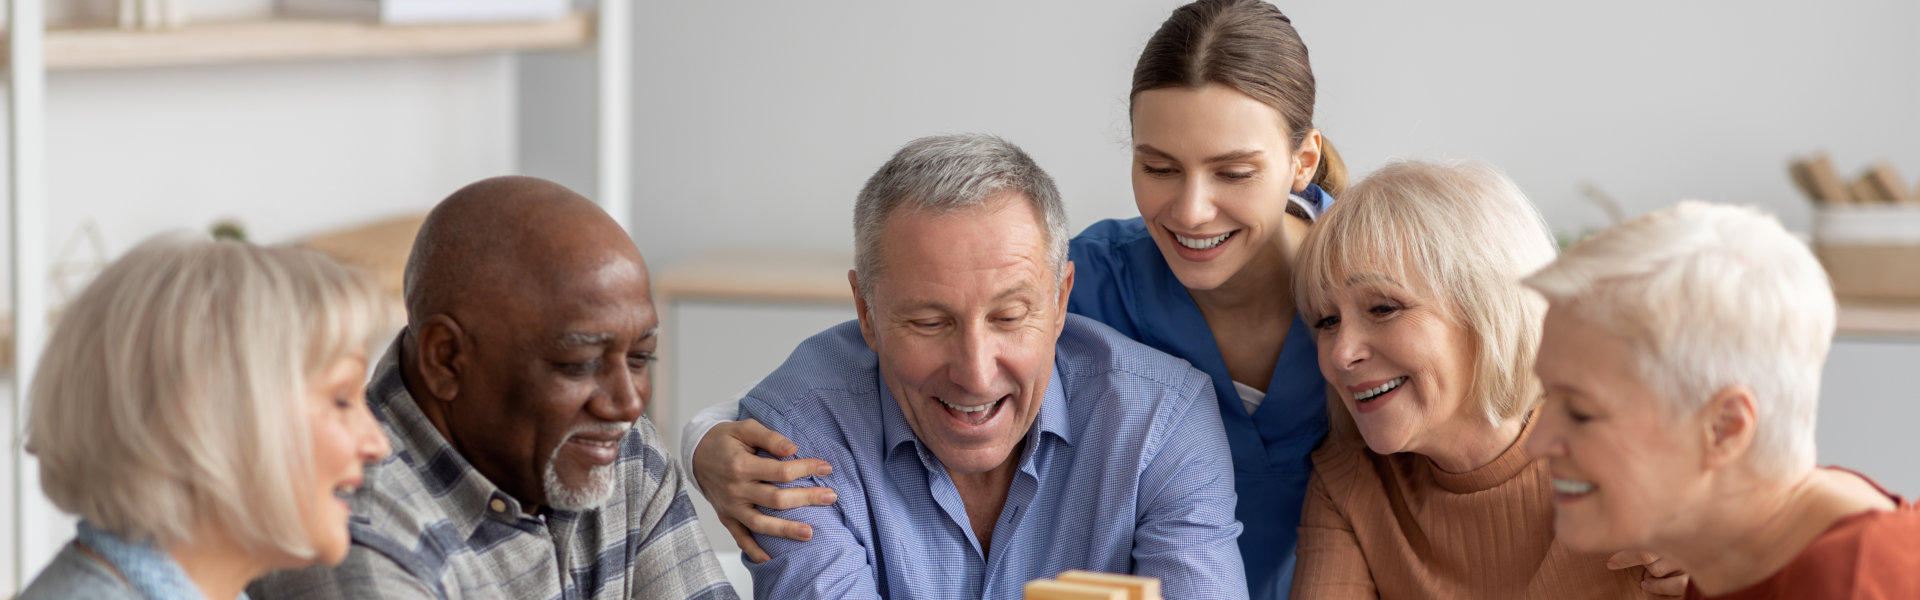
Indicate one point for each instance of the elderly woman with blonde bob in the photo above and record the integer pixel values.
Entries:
(201, 407)
(1426, 338)
(1682, 360)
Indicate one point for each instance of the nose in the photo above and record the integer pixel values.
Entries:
(371, 440)
(1194, 206)
(972, 369)
(626, 393)
(1546, 434)
(1350, 347)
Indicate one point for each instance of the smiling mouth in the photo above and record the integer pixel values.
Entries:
(346, 490)
(1375, 392)
(591, 451)
(1568, 489)
(973, 415)
(1206, 243)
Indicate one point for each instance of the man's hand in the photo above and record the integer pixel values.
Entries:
(1663, 577)
(737, 481)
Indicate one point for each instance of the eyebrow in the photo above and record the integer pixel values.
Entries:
(1227, 157)
(598, 338)
(585, 339)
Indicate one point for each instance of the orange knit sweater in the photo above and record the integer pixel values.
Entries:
(1399, 527)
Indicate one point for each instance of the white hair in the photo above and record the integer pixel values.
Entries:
(170, 395)
(1461, 231)
(1712, 296)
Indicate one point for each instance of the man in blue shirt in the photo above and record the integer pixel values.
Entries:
(980, 436)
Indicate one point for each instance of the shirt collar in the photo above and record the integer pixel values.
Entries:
(1052, 420)
(147, 569)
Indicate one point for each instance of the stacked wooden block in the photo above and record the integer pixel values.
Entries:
(1091, 585)
(1879, 184)
(1865, 231)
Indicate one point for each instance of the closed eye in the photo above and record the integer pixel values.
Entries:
(1382, 310)
(578, 369)
(640, 360)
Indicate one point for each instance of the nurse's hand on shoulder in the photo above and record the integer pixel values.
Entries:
(737, 481)
(1663, 578)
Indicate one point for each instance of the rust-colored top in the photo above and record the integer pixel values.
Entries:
(1400, 527)
(1868, 555)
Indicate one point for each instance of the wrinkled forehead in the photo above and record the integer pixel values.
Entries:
(924, 245)
(607, 293)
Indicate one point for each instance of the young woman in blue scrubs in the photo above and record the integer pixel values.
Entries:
(1228, 172)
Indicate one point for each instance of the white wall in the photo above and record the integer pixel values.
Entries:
(756, 122)
(286, 149)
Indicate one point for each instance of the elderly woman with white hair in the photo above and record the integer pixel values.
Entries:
(201, 407)
(1424, 488)
(1682, 358)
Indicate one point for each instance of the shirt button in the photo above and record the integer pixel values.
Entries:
(498, 505)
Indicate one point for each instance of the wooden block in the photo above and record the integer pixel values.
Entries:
(1138, 587)
(1864, 192)
(1887, 184)
(1826, 181)
(1043, 589)
(1798, 169)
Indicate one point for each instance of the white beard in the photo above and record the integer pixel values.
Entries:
(598, 488)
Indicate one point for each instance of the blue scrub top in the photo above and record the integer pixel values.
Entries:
(1121, 279)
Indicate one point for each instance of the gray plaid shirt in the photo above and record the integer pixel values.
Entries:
(427, 525)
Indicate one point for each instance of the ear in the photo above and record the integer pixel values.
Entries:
(1066, 293)
(860, 310)
(442, 356)
(1727, 422)
(1306, 159)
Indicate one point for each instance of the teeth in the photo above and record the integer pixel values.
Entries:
(973, 415)
(1571, 487)
(602, 444)
(346, 490)
(1366, 395)
(970, 409)
(1202, 243)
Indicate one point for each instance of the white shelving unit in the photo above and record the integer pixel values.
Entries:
(31, 51)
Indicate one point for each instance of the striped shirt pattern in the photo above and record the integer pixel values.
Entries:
(427, 525)
(1125, 470)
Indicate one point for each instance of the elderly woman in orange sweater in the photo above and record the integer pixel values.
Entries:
(1424, 489)
(1682, 359)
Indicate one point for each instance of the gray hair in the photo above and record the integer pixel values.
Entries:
(169, 396)
(947, 173)
(1711, 296)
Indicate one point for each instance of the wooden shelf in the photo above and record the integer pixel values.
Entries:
(302, 39)
(1879, 320)
(801, 276)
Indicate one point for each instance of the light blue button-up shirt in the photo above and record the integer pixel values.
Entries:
(1125, 470)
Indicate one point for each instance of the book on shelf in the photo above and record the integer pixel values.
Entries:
(417, 12)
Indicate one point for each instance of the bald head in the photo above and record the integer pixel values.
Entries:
(508, 235)
(529, 325)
